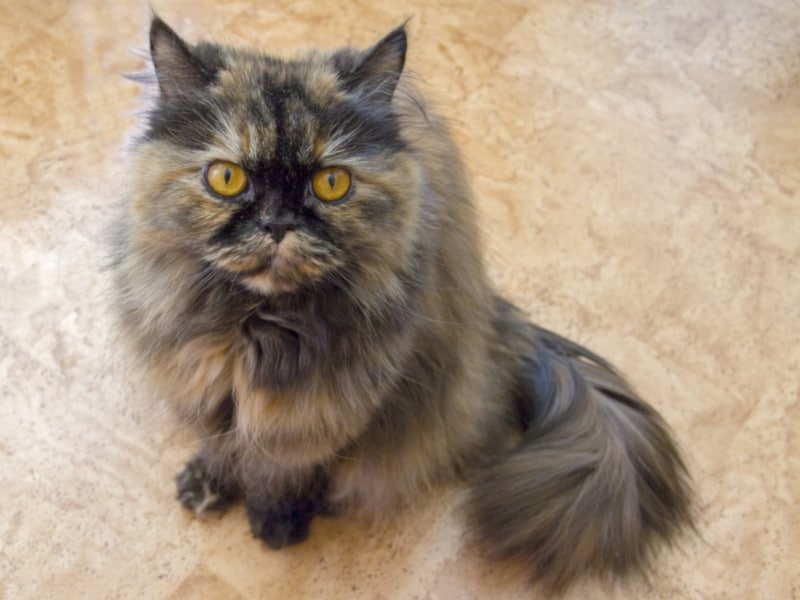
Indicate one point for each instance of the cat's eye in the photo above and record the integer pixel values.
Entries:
(331, 184)
(226, 178)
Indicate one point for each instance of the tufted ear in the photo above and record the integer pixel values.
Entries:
(377, 71)
(177, 69)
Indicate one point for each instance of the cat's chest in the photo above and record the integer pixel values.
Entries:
(262, 354)
(250, 368)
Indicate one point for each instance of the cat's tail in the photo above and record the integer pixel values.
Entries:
(596, 481)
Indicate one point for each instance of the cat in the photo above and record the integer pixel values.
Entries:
(297, 263)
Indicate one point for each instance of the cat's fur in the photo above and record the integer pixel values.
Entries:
(365, 358)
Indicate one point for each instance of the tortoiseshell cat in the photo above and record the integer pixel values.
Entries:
(298, 265)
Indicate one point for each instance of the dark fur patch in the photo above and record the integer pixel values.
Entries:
(286, 521)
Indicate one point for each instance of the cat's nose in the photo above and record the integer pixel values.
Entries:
(277, 229)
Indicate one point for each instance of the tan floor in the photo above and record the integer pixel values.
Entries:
(638, 172)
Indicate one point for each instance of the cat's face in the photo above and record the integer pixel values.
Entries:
(283, 174)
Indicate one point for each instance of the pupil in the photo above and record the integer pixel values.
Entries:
(228, 175)
(331, 180)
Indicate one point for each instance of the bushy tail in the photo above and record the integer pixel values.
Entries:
(597, 480)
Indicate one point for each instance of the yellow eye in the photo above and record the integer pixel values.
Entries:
(226, 178)
(331, 184)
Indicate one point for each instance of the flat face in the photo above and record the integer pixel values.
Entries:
(277, 173)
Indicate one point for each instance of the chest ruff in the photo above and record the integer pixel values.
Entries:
(213, 387)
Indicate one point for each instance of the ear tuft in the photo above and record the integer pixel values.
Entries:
(377, 70)
(177, 70)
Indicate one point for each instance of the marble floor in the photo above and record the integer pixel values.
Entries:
(637, 168)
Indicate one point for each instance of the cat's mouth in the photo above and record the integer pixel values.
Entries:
(271, 282)
(277, 269)
(267, 276)
(263, 267)
(278, 273)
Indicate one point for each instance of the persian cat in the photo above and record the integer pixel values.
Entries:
(297, 264)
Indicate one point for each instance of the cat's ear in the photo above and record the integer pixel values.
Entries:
(377, 70)
(177, 70)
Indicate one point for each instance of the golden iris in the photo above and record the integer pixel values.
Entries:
(226, 178)
(331, 184)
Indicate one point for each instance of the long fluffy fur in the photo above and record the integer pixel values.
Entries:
(596, 481)
(376, 362)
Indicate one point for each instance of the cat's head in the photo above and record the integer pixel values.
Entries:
(283, 174)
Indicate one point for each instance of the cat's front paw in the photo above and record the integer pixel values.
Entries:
(282, 524)
(198, 491)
